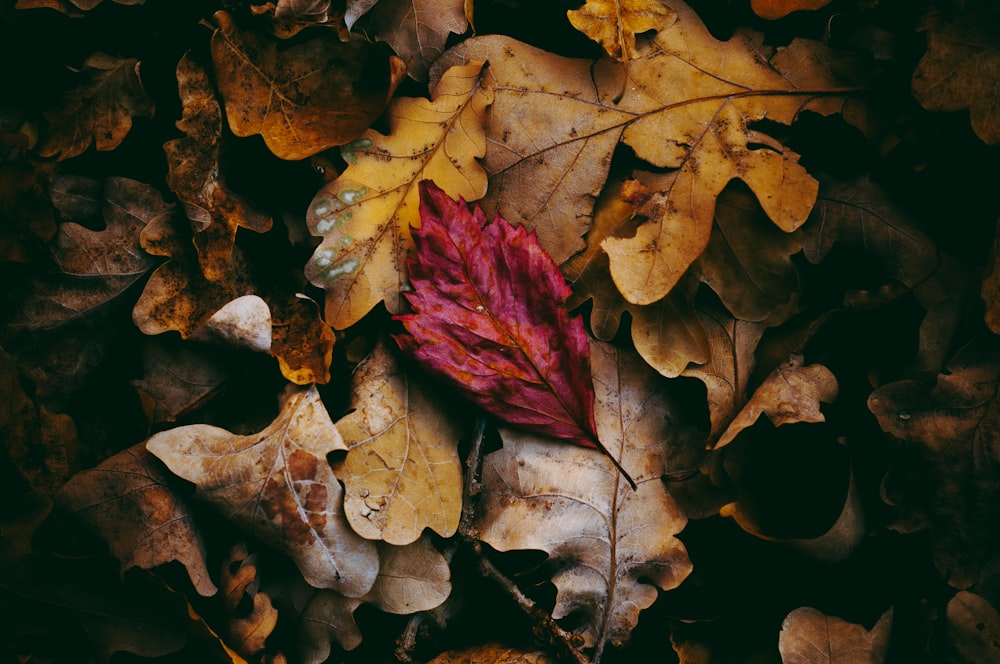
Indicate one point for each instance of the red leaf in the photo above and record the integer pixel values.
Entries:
(489, 319)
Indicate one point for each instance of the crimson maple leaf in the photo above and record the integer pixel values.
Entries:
(489, 318)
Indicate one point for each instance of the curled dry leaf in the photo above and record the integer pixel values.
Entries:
(303, 10)
(811, 637)
(775, 9)
(100, 111)
(614, 23)
(128, 502)
(555, 125)
(974, 628)
(961, 68)
(365, 215)
(194, 174)
(247, 628)
(792, 393)
(278, 486)
(613, 546)
(304, 97)
(402, 473)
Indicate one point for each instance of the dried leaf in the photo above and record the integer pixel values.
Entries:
(961, 68)
(411, 578)
(614, 23)
(20, 517)
(602, 535)
(177, 378)
(26, 214)
(489, 320)
(305, 97)
(792, 393)
(127, 501)
(991, 287)
(70, 7)
(974, 628)
(247, 629)
(492, 653)
(775, 9)
(365, 215)
(278, 486)
(402, 473)
(811, 637)
(300, 340)
(100, 111)
(215, 211)
(312, 10)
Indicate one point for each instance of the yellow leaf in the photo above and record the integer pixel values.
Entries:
(614, 23)
(365, 215)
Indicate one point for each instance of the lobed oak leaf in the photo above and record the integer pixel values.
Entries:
(488, 318)
(366, 214)
(961, 68)
(775, 9)
(614, 24)
(100, 111)
(612, 546)
(127, 500)
(556, 123)
(809, 636)
(402, 473)
(304, 97)
(194, 175)
(278, 486)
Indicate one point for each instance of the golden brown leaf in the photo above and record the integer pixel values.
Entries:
(278, 486)
(100, 111)
(811, 637)
(215, 211)
(247, 629)
(614, 23)
(974, 628)
(402, 473)
(365, 215)
(961, 68)
(300, 340)
(304, 97)
(492, 653)
(775, 9)
(572, 503)
(127, 501)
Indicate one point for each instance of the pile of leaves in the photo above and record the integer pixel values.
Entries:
(413, 330)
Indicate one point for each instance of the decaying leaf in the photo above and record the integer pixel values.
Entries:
(304, 97)
(100, 111)
(775, 9)
(278, 486)
(961, 68)
(177, 378)
(127, 500)
(195, 176)
(614, 23)
(944, 475)
(792, 393)
(492, 653)
(315, 10)
(613, 546)
(811, 637)
(300, 340)
(974, 628)
(366, 214)
(402, 473)
(248, 627)
(554, 126)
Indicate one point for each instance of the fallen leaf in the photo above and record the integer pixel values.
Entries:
(944, 473)
(792, 393)
(614, 24)
(68, 7)
(26, 215)
(365, 215)
(973, 628)
(300, 340)
(402, 473)
(251, 618)
(811, 637)
(244, 322)
(411, 578)
(492, 653)
(128, 502)
(990, 290)
(775, 9)
(302, 97)
(178, 377)
(488, 318)
(100, 111)
(20, 516)
(415, 29)
(554, 126)
(961, 68)
(315, 10)
(196, 178)
(278, 486)
(612, 546)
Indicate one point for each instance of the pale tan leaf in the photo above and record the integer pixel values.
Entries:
(811, 637)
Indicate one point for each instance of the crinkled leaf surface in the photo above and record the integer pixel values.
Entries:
(614, 23)
(961, 68)
(278, 486)
(554, 126)
(304, 97)
(100, 111)
(488, 318)
(613, 546)
(402, 473)
(366, 214)
(215, 211)
(792, 393)
(811, 637)
(127, 500)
